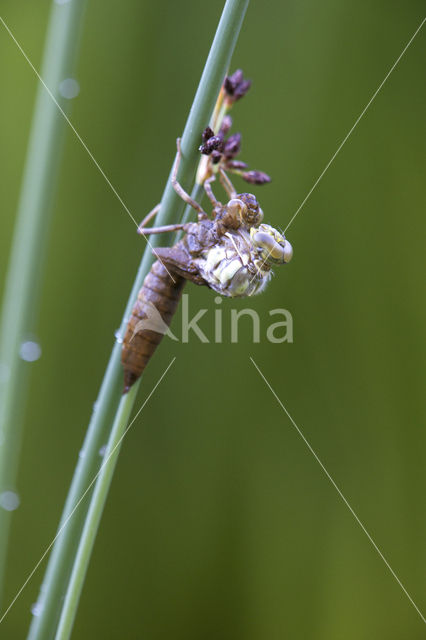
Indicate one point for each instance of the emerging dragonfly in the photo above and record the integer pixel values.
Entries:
(231, 252)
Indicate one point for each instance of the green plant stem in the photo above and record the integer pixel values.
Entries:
(110, 409)
(96, 507)
(23, 280)
(94, 514)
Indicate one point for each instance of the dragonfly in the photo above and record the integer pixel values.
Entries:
(232, 252)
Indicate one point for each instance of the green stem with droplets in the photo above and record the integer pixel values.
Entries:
(24, 276)
(71, 553)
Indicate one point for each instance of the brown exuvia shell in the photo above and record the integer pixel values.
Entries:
(162, 291)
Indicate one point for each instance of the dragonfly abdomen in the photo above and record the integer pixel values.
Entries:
(151, 316)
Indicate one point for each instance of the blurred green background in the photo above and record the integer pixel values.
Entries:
(220, 522)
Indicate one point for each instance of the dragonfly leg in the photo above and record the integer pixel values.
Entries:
(149, 216)
(227, 184)
(168, 228)
(178, 187)
(209, 191)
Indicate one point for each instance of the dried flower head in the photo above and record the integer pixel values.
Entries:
(223, 148)
(236, 165)
(232, 146)
(216, 157)
(207, 133)
(235, 86)
(256, 177)
(226, 125)
(210, 142)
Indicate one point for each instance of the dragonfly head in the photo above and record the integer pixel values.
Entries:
(245, 208)
(273, 247)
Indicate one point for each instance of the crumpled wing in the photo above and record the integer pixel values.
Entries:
(178, 261)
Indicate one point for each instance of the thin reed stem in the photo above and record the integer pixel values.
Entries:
(94, 515)
(68, 562)
(23, 280)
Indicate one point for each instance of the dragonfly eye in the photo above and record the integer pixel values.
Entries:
(253, 214)
(288, 251)
(236, 211)
(274, 248)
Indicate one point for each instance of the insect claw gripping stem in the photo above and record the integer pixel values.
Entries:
(148, 218)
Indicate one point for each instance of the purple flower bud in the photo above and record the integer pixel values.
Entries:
(207, 133)
(236, 165)
(226, 125)
(211, 144)
(235, 86)
(232, 145)
(242, 89)
(232, 82)
(216, 157)
(237, 77)
(256, 177)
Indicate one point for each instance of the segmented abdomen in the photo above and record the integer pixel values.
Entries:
(160, 293)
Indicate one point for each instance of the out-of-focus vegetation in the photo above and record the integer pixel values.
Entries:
(220, 523)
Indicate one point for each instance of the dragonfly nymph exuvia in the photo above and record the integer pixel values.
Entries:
(232, 252)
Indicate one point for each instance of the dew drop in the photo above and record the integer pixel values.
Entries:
(9, 500)
(30, 351)
(81, 453)
(62, 1)
(102, 450)
(118, 337)
(36, 609)
(69, 88)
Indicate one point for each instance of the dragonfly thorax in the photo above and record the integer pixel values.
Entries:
(233, 266)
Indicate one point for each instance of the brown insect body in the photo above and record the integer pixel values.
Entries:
(163, 293)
